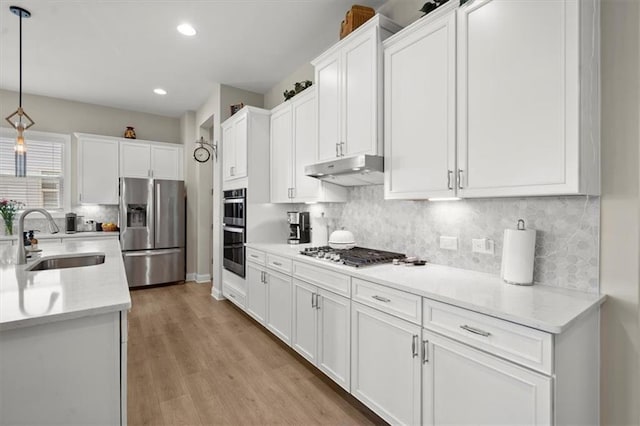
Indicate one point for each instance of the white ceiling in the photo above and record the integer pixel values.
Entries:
(115, 52)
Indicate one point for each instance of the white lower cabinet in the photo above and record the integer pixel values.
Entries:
(386, 364)
(322, 330)
(256, 293)
(279, 305)
(464, 386)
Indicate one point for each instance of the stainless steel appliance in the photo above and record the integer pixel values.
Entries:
(349, 171)
(234, 231)
(152, 230)
(299, 228)
(356, 256)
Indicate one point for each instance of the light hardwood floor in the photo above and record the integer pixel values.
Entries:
(197, 361)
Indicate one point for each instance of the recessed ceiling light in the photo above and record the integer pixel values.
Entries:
(186, 29)
(159, 91)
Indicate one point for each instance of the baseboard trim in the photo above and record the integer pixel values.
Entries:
(216, 293)
(191, 276)
(203, 278)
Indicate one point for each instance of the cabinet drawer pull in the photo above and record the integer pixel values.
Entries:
(317, 301)
(414, 345)
(449, 179)
(313, 300)
(425, 351)
(277, 263)
(381, 299)
(475, 331)
(233, 296)
(337, 155)
(254, 256)
(460, 171)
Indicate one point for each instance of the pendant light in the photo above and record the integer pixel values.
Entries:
(20, 120)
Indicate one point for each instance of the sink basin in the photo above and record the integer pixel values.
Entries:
(62, 262)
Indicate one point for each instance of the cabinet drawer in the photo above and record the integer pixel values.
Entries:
(256, 256)
(233, 295)
(523, 345)
(279, 263)
(332, 281)
(395, 302)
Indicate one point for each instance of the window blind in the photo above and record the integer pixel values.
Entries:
(43, 185)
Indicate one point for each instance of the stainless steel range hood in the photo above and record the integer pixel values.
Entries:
(349, 171)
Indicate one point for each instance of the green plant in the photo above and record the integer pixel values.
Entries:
(8, 209)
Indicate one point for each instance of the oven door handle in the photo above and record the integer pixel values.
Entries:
(233, 229)
(234, 246)
(234, 201)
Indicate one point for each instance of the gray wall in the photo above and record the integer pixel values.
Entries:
(232, 96)
(62, 116)
(275, 97)
(620, 216)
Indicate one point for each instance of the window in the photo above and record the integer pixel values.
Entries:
(46, 184)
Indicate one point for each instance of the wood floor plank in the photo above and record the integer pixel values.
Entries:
(195, 360)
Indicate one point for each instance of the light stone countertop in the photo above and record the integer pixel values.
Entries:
(62, 234)
(31, 298)
(542, 307)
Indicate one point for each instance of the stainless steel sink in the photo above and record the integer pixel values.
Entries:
(62, 262)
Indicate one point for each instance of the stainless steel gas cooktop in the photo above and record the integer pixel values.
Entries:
(357, 256)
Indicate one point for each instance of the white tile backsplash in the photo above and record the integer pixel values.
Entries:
(567, 241)
(98, 213)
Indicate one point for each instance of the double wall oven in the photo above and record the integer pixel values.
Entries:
(234, 230)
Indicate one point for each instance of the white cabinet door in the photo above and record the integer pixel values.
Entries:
(518, 97)
(464, 386)
(327, 74)
(228, 151)
(135, 160)
(279, 305)
(281, 155)
(334, 337)
(166, 162)
(385, 373)
(240, 142)
(360, 63)
(98, 171)
(256, 293)
(303, 336)
(305, 148)
(419, 111)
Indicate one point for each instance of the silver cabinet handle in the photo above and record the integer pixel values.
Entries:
(449, 179)
(475, 331)
(277, 263)
(254, 256)
(317, 301)
(425, 351)
(342, 149)
(261, 277)
(233, 296)
(337, 154)
(293, 193)
(460, 171)
(380, 298)
(414, 345)
(313, 300)
(265, 277)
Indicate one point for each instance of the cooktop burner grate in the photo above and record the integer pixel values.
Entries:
(356, 256)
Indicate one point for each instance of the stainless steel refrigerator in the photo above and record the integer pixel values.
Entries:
(152, 230)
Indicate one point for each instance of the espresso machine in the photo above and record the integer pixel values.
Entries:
(299, 227)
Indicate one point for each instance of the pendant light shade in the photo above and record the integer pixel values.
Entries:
(19, 119)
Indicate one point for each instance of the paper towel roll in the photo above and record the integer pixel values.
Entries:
(518, 254)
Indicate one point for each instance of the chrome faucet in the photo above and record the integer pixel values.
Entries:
(21, 257)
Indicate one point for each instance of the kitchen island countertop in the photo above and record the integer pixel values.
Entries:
(542, 307)
(30, 298)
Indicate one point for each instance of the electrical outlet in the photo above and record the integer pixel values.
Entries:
(483, 245)
(449, 243)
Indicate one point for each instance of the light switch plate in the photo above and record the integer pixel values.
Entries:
(449, 243)
(483, 245)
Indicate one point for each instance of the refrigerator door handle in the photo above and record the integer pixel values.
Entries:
(156, 213)
(149, 252)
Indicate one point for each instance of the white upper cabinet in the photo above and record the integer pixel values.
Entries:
(245, 148)
(519, 81)
(349, 92)
(419, 108)
(143, 159)
(528, 100)
(294, 146)
(97, 170)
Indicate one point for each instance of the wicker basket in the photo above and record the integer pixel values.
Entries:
(357, 16)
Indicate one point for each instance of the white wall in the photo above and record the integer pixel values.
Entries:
(63, 116)
(620, 213)
(188, 135)
(232, 96)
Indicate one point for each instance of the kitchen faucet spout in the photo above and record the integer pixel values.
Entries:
(21, 257)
